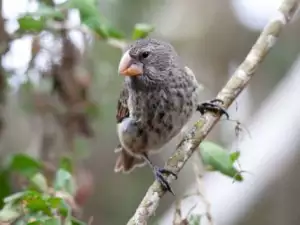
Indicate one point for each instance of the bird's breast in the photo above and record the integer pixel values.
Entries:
(162, 113)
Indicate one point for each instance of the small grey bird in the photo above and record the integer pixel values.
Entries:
(158, 98)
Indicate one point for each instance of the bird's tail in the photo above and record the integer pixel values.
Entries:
(125, 162)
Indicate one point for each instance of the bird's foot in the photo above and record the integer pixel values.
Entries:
(159, 176)
(212, 106)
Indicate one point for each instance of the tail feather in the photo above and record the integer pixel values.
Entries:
(125, 162)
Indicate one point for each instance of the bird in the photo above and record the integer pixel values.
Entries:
(159, 95)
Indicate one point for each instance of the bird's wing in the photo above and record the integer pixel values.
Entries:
(122, 107)
(189, 72)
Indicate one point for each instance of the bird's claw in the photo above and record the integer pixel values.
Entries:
(159, 172)
(212, 106)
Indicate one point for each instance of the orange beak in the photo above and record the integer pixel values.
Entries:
(128, 67)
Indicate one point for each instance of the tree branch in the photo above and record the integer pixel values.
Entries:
(228, 94)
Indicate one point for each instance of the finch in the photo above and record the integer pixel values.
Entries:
(158, 97)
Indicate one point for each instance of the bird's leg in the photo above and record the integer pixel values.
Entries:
(212, 106)
(159, 172)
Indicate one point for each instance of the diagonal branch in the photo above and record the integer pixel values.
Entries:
(228, 94)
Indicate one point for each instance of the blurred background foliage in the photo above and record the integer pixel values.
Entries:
(59, 87)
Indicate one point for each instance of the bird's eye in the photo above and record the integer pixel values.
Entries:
(145, 54)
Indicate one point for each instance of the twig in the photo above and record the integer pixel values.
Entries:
(178, 219)
(228, 94)
(199, 175)
(177, 215)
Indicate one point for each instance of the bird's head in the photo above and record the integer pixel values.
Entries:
(148, 60)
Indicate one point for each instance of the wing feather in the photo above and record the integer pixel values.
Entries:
(122, 107)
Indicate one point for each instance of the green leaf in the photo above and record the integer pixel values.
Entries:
(141, 30)
(219, 159)
(14, 197)
(37, 21)
(9, 213)
(37, 218)
(68, 216)
(194, 219)
(66, 163)
(234, 156)
(87, 8)
(102, 28)
(64, 181)
(46, 221)
(52, 221)
(91, 17)
(35, 202)
(64, 209)
(110, 31)
(24, 164)
(29, 23)
(4, 186)
(47, 12)
(40, 182)
(36, 222)
(55, 202)
(94, 24)
(77, 222)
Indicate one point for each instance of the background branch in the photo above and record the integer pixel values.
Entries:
(228, 94)
(199, 173)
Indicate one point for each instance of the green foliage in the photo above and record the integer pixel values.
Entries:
(39, 203)
(141, 30)
(39, 182)
(216, 158)
(4, 185)
(47, 12)
(194, 219)
(44, 200)
(90, 16)
(77, 222)
(37, 21)
(33, 207)
(30, 24)
(66, 164)
(9, 213)
(23, 164)
(64, 181)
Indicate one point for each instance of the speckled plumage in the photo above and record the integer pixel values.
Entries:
(154, 106)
